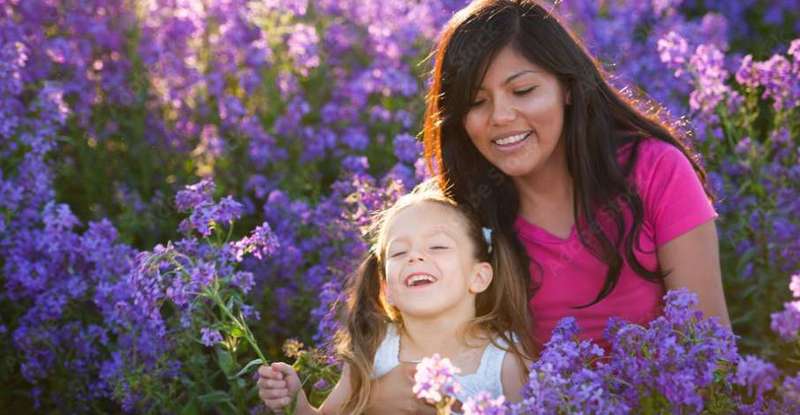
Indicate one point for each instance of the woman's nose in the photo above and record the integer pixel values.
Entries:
(502, 113)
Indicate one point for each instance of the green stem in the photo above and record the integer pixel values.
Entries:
(241, 325)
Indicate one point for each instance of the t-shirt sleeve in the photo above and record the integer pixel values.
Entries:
(674, 199)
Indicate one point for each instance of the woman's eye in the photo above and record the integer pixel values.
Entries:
(476, 103)
(524, 91)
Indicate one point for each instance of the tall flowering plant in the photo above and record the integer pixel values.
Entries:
(747, 118)
(187, 301)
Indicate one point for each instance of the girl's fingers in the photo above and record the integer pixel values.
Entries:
(265, 383)
(268, 372)
(273, 394)
(277, 404)
(282, 368)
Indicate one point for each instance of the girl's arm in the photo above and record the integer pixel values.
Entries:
(692, 261)
(336, 399)
(514, 375)
(278, 383)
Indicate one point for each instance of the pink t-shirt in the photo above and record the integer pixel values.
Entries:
(569, 275)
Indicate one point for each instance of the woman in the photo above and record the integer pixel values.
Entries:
(605, 204)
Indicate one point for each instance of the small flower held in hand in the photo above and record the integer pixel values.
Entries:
(435, 382)
(483, 404)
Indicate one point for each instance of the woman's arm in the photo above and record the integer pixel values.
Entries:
(692, 261)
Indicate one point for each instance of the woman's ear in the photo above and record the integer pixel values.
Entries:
(481, 277)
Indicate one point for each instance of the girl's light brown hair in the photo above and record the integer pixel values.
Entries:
(501, 309)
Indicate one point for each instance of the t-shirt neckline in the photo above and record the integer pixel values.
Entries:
(539, 234)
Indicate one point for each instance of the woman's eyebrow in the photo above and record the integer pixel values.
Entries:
(513, 77)
(517, 75)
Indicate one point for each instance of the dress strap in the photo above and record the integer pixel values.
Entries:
(386, 357)
(491, 366)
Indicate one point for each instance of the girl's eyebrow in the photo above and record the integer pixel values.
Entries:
(513, 77)
(436, 230)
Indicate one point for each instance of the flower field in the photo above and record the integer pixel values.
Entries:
(184, 185)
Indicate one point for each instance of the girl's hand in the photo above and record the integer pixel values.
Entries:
(277, 385)
(391, 394)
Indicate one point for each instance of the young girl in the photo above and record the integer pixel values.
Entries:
(433, 282)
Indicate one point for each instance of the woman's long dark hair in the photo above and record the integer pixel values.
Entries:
(597, 123)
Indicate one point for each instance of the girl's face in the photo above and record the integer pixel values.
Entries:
(517, 116)
(430, 267)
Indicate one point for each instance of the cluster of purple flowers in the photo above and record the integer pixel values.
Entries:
(678, 363)
(787, 322)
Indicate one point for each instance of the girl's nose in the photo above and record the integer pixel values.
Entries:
(415, 256)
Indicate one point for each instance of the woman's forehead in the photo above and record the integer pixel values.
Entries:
(509, 64)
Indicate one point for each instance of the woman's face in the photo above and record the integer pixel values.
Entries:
(517, 116)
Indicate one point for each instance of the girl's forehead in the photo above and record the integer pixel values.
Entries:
(427, 218)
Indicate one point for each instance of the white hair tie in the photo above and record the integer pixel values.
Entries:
(487, 236)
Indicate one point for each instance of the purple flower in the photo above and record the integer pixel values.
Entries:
(794, 50)
(407, 149)
(756, 374)
(708, 64)
(203, 274)
(435, 379)
(673, 50)
(747, 74)
(59, 218)
(321, 384)
(261, 243)
(206, 214)
(786, 323)
(243, 280)
(210, 337)
(194, 195)
(303, 42)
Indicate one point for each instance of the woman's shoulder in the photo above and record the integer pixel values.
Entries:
(649, 151)
(653, 158)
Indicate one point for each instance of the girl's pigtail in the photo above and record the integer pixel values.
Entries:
(365, 326)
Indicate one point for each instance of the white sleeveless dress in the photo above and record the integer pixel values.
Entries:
(486, 378)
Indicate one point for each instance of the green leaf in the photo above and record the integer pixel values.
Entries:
(212, 398)
(247, 368)
(237, 332)
(190, 408)
(226, 362)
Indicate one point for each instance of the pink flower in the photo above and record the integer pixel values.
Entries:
(435, 379)
(795, 285)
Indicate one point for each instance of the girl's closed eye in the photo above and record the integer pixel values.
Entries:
(396, 254)
(440, 247)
